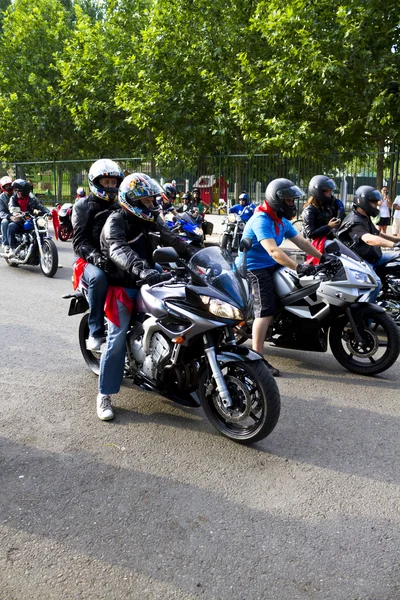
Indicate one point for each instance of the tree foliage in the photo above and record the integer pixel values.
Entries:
(178, 78)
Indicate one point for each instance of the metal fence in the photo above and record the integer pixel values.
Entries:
(221, 176)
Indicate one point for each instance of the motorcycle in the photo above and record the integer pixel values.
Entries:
(230, 238)
(186, 228)
(64, 229)
(181, 344)
(35, 246)
(389, 296)
(333, 305)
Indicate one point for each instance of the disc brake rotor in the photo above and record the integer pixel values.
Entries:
(241, 399)
(366, 348)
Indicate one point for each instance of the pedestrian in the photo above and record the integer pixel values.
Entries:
(384, 211)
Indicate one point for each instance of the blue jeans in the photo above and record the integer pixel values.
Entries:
(12, 229)
(384, 259)
(112, 360)
(97, 283)
(4, 226)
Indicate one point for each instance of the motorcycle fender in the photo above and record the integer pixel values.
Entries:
(367, 307)
(78, 306)
(240, 353)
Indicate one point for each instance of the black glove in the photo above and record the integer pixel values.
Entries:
(97, 260)
(305, 269)
(151, 276)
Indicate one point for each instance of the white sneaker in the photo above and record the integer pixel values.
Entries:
(11, 253)
(104, 408)
(94, 344)
(6, 248)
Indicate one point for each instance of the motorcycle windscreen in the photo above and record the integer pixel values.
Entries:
(216, 268)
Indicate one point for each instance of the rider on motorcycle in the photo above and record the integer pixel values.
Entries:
(128, 252)
(88, 217)
(5, 215)
(244, 209)
(365, 239)
(21, 201)
(267, 229)
(167, 199)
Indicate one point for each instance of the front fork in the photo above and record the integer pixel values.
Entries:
(216, 371)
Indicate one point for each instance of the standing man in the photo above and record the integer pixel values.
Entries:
(5, 215)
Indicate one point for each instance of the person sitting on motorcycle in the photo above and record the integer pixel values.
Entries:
(88, 217)
(128, 250)
(167, 199)
(320, 214)
(244, 209)
(267, 229)
(359, 232)
(21, 201)
(80, 194)
(5, 215)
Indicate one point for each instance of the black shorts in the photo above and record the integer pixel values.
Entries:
(264, 302)
(383, 221)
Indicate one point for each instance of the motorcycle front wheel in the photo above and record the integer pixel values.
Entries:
(379, 347)
(226, 242)
(49, 260)
(256, 401)
(65, 232)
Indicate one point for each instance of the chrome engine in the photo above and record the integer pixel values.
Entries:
(158, 352)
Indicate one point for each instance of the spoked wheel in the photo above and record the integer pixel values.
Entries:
(379, 347)
(65, 232)
(226, 242)
(92, 359)
(255, 397)
(49, 260)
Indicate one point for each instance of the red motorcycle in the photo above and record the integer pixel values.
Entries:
(62, 222)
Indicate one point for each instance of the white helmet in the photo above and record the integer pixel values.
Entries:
(104, 168)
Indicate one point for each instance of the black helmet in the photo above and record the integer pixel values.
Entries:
(133, 189)
(318, 184)
(23, 186)
(187, 196)
(363, 197)
(276, 194)
(170, 191)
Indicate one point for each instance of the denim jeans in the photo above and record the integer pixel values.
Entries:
(112, 360)
(383, 260)
(97, 283)
(4, 226)
(12, 229)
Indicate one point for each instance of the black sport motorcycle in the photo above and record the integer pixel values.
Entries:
(181, 344)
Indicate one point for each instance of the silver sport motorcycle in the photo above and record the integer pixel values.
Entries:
(333, 306)
(181, 344)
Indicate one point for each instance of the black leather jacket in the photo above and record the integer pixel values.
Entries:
(315, 221)
(88, 218)
(33, 204)
(4, 210)
(126, 244)
(355, 224)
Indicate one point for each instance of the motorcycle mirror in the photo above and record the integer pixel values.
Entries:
(165, 255)
(245, 244)
(331, 247)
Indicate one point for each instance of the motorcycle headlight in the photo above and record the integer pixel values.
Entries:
(362, 277)
(198, 231)
(222, 309)
(232, 218)
(41, 222)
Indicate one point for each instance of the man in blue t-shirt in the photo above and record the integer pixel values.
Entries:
(244, 210)
(267, 228)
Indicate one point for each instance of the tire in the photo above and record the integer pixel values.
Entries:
(226, 242)
(378, 351)
(92, 359)
(254, 392)
(49, 261)
(298, 225)
(64, 232)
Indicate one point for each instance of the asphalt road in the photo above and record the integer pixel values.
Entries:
(157, 505)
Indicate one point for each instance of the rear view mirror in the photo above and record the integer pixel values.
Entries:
(165, 255)
(245, 244)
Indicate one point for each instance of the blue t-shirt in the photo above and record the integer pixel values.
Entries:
(258, 228)
(244, 212)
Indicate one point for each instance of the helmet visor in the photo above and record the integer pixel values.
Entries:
(289, 193)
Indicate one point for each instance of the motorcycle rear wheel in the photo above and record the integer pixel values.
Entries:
(65, 232)
(256, 401)
(49, 261)
(378, 350)
(92, 359)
